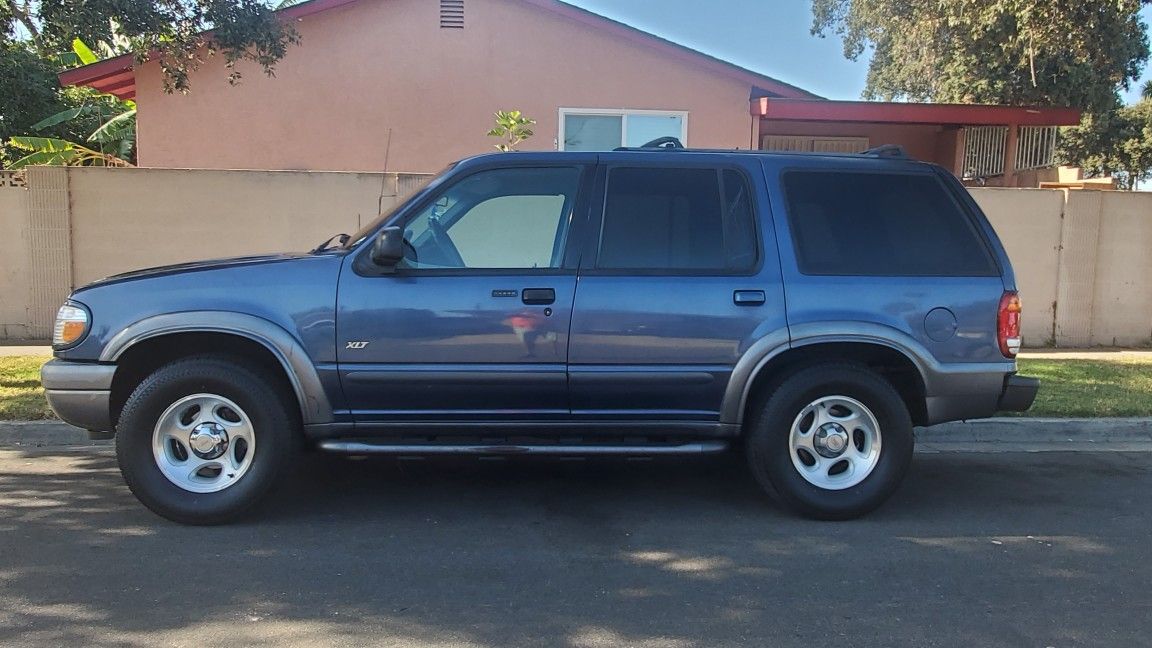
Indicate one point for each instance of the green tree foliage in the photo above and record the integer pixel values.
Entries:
(170, 31)
(1018, 52)
(29, 92)
(1015, 52)
(1116, 143)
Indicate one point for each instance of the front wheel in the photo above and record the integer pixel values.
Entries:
(201, 440)
(833, 441)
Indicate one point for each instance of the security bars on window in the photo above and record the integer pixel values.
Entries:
(1036, 147)
(984, 150)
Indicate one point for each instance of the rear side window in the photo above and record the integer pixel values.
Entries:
(678, 220)
(882, 224)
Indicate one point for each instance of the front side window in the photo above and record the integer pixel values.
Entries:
(500, 219)
(678, 220)
(881, 224)
(604, 130)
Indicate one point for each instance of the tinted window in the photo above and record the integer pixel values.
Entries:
(504, 218)
(881, 224)
(677, 219)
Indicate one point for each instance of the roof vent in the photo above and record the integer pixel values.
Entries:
(451, 14)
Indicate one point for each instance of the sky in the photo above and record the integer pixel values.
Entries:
(769, 36)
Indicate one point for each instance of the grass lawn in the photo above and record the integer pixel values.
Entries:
(1090, 388)
(1070, 388)
(21, 398)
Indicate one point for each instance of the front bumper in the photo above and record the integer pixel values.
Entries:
(80, 393)
(1018, 394)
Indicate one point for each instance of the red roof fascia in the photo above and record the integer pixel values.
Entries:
(106, 75)
(912, 113)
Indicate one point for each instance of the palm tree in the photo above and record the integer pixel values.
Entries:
(1146, 91)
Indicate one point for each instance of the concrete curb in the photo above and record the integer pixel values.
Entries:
(1039, 430)
(988, 435)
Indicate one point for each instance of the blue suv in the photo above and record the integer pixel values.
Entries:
(807, 309)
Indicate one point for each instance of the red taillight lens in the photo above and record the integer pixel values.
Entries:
(1008, 324)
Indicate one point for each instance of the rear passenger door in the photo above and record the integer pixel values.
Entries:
(886, 243)
(678, 279)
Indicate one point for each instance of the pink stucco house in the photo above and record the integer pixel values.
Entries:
(410, 85)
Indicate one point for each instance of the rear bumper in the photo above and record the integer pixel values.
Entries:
(1018, 394)
(80, 393)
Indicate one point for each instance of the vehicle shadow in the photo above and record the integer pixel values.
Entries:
(570, 553)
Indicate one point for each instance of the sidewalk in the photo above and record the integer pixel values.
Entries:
(24, 350)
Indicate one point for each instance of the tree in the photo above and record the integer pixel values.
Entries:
(1019, 52)
(28, 92)
(1116, 143)
(513, 128)
(173, 32)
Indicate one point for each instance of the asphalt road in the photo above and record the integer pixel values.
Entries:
(1048, 549)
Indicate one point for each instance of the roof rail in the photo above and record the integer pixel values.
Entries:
(894, 151)
(660, 144)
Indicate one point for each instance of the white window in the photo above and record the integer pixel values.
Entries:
(593, 129)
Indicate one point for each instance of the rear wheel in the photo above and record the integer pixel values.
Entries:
(201, 440)
(833, 441)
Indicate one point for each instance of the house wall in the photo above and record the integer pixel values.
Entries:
(378, 85)
(1081, 257)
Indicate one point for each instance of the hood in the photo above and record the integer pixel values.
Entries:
(198, 266)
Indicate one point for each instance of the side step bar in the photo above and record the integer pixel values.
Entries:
(361, 447)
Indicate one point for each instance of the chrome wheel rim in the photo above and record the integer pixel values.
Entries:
(835, 442)
(204, 443)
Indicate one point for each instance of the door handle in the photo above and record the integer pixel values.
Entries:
(748, 297)
(538, 296)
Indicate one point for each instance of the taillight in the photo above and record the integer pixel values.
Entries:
(1008, 324)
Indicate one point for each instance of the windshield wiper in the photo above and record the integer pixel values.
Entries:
(339, 239)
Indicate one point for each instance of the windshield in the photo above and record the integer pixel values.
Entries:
(365, 231)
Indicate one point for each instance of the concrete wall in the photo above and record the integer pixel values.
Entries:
(1083, 259)
(15, 255)
(1083, 262)
(70, 226)
(379, 86)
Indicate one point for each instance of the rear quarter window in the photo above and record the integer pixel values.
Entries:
(881, 224)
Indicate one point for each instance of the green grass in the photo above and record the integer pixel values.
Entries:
(21, 397)
(1070, 388)
(1090, 388)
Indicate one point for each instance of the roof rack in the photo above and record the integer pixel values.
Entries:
(894, 151)
(668, 144)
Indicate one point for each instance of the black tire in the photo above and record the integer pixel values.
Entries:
(270, 411)
(769, 455)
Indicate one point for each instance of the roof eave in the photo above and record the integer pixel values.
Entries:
(912, 113)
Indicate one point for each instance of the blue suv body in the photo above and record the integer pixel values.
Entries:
(809, 307)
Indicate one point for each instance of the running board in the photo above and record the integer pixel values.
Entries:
(360, 448)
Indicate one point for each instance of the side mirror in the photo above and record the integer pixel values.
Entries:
(388, 249)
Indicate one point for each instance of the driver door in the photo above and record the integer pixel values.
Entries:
(473, 324)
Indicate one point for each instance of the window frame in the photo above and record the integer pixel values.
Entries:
(598, 211)
(623, 113)
(575, 220)
(969, 218)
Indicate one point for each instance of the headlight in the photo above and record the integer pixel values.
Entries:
(71, 325)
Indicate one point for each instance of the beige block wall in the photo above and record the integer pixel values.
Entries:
(1083, 260)
(1028, 222)
(124, 219)
(14, 255)
(1122, 286)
